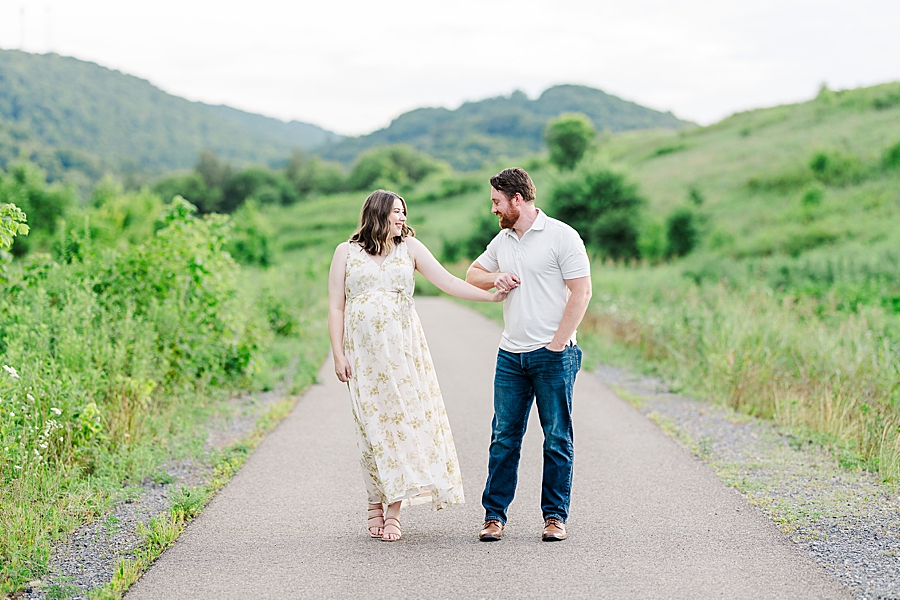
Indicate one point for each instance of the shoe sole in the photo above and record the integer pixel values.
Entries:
(490, 538)
(552, 538)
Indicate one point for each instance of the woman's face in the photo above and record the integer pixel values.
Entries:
(397, 218)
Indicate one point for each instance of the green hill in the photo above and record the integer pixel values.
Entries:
(67, 114)
(504, 126)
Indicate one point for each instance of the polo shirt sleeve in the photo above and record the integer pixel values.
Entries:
(488, 258)
(573, 258)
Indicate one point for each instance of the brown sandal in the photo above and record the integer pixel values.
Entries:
(399, 533)
(380, 515)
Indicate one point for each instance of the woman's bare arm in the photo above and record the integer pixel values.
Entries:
(336, 303)
(434, 272)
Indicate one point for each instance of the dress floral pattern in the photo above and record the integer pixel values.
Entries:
(405, 445)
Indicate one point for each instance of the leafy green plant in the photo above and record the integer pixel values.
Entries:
(682, 233)
(251, 240)
(891, 157)
(836, 167)
(812, 197)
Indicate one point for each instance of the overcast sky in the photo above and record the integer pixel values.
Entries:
(352, 66)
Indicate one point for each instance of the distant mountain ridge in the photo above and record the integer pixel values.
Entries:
(79, 120)
(501, 126)
(68, 113)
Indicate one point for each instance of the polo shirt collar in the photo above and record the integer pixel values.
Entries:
(538, 224)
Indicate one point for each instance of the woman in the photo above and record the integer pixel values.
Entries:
(406, 449)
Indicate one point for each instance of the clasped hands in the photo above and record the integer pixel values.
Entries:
(506, 282)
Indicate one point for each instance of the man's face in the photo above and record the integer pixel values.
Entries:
(505, 208)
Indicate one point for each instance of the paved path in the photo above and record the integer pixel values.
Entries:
(647, 520)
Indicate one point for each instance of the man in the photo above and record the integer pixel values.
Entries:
(544, 264)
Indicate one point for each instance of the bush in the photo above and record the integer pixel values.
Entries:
(812, 197)
(603, 208)
(391, 166)
(681, 232)
(891, 157)
(836, 167)
(696, 196)
(99, 345)
(568, 137)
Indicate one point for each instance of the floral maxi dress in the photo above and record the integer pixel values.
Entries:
(405, 445)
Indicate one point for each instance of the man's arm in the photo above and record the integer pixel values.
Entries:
(576, 306)
(484, 279)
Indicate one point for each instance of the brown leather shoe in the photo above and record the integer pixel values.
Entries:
(491, 531)
(554, 530)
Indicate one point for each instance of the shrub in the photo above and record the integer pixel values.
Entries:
(568, 137)
(891, 157)
(681, 232)
(603, 208)
(836, 167)
(812, 197)
(696, 196)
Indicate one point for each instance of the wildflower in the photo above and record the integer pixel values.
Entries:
(17, 467)
(12, 372)
(55, 411)
(12, 414)
(30, 397)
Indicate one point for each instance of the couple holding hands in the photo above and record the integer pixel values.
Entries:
(539, 269)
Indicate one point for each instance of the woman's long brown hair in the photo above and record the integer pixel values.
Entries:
(374, 232)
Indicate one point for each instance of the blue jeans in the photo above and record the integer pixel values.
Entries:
(549, 378)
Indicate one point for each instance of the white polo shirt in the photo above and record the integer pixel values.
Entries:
(548, 254)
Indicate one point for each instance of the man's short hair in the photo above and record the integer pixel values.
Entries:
(514, 181)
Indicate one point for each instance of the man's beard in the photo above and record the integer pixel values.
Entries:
(508, 219)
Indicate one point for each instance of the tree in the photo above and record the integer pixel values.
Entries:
(568, 138)
(266, 186)
(193, 188)
(311, 174)
(603, 208)
(214, 172)
(391, 166)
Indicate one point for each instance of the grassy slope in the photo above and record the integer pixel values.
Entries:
(720, 160)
